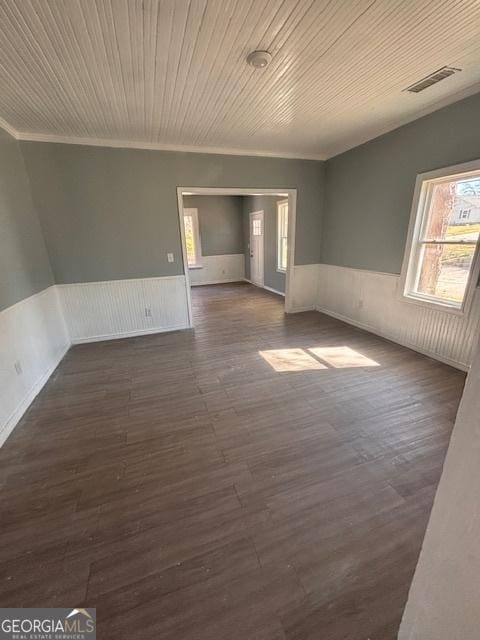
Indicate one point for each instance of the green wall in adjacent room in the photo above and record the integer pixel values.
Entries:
(267, 204)
(220, 223)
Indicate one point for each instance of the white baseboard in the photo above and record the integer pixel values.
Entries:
(128, 334)
(303, 309)
(33, 341)
(279, 293)
(264, 286)
(227, 281)
(17, 415)
(403, 343)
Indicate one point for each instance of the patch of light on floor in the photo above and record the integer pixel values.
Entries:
(291, 360)
(342, 357)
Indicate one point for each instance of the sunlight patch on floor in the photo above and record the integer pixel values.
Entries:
(316, 358)
(291, 360)
(343, 357)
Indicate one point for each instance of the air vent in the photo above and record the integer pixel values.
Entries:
(433, 78)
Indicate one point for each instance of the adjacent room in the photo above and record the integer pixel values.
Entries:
(239, 319)
(232, 236)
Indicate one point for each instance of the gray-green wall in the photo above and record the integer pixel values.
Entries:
(267, 204)
(220, 223)
(369, 190)
(24, 264)
(112, 213)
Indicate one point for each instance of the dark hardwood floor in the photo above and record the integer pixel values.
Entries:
(263, 477)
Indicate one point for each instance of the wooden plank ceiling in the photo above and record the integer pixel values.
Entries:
(172, 73)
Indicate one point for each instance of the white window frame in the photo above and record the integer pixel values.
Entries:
(418, 216)
(280, 204)
(190, 211)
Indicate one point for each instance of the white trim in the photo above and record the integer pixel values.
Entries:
(157, 146)
(291, 194)
(184, 256)
(280, 203)
(203, 284)
(417, 219)
(280, 293)
(303, 309)
(292, 225)
(234, 191)
(9, 129)
(395, 339)
(128, 334)
(101, 282)
(24, 301)
(369, 271)
(18, 413)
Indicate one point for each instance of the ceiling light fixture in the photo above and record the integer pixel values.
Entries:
(259, 59)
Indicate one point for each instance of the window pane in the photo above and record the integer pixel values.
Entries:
(454, 211)
(190, 240)
(257, 227)
(444, 271)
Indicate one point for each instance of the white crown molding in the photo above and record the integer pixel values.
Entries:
(8, 128)
(333, 151)
(156, 146)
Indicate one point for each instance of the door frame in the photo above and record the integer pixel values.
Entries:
(257, 213)
(291, 195)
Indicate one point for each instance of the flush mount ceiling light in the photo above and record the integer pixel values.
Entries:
(259, 59)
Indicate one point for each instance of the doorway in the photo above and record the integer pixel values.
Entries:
(267, 260)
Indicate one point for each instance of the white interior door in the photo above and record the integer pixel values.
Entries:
(256, 247)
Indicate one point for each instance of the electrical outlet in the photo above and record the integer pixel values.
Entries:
(148, 312)
(18, 367)
(170, 257)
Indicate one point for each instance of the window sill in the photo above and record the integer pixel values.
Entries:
(281, 271)
(195, 266)
(435, 305)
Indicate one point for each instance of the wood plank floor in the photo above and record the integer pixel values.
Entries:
(263, 477)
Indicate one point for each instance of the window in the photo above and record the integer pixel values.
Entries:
(282, 235)
(192, 237)
(442, 253)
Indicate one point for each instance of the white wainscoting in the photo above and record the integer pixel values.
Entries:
(33, 338)
(371, 301)
(121, 308)
(218, 269)
(302, 286)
